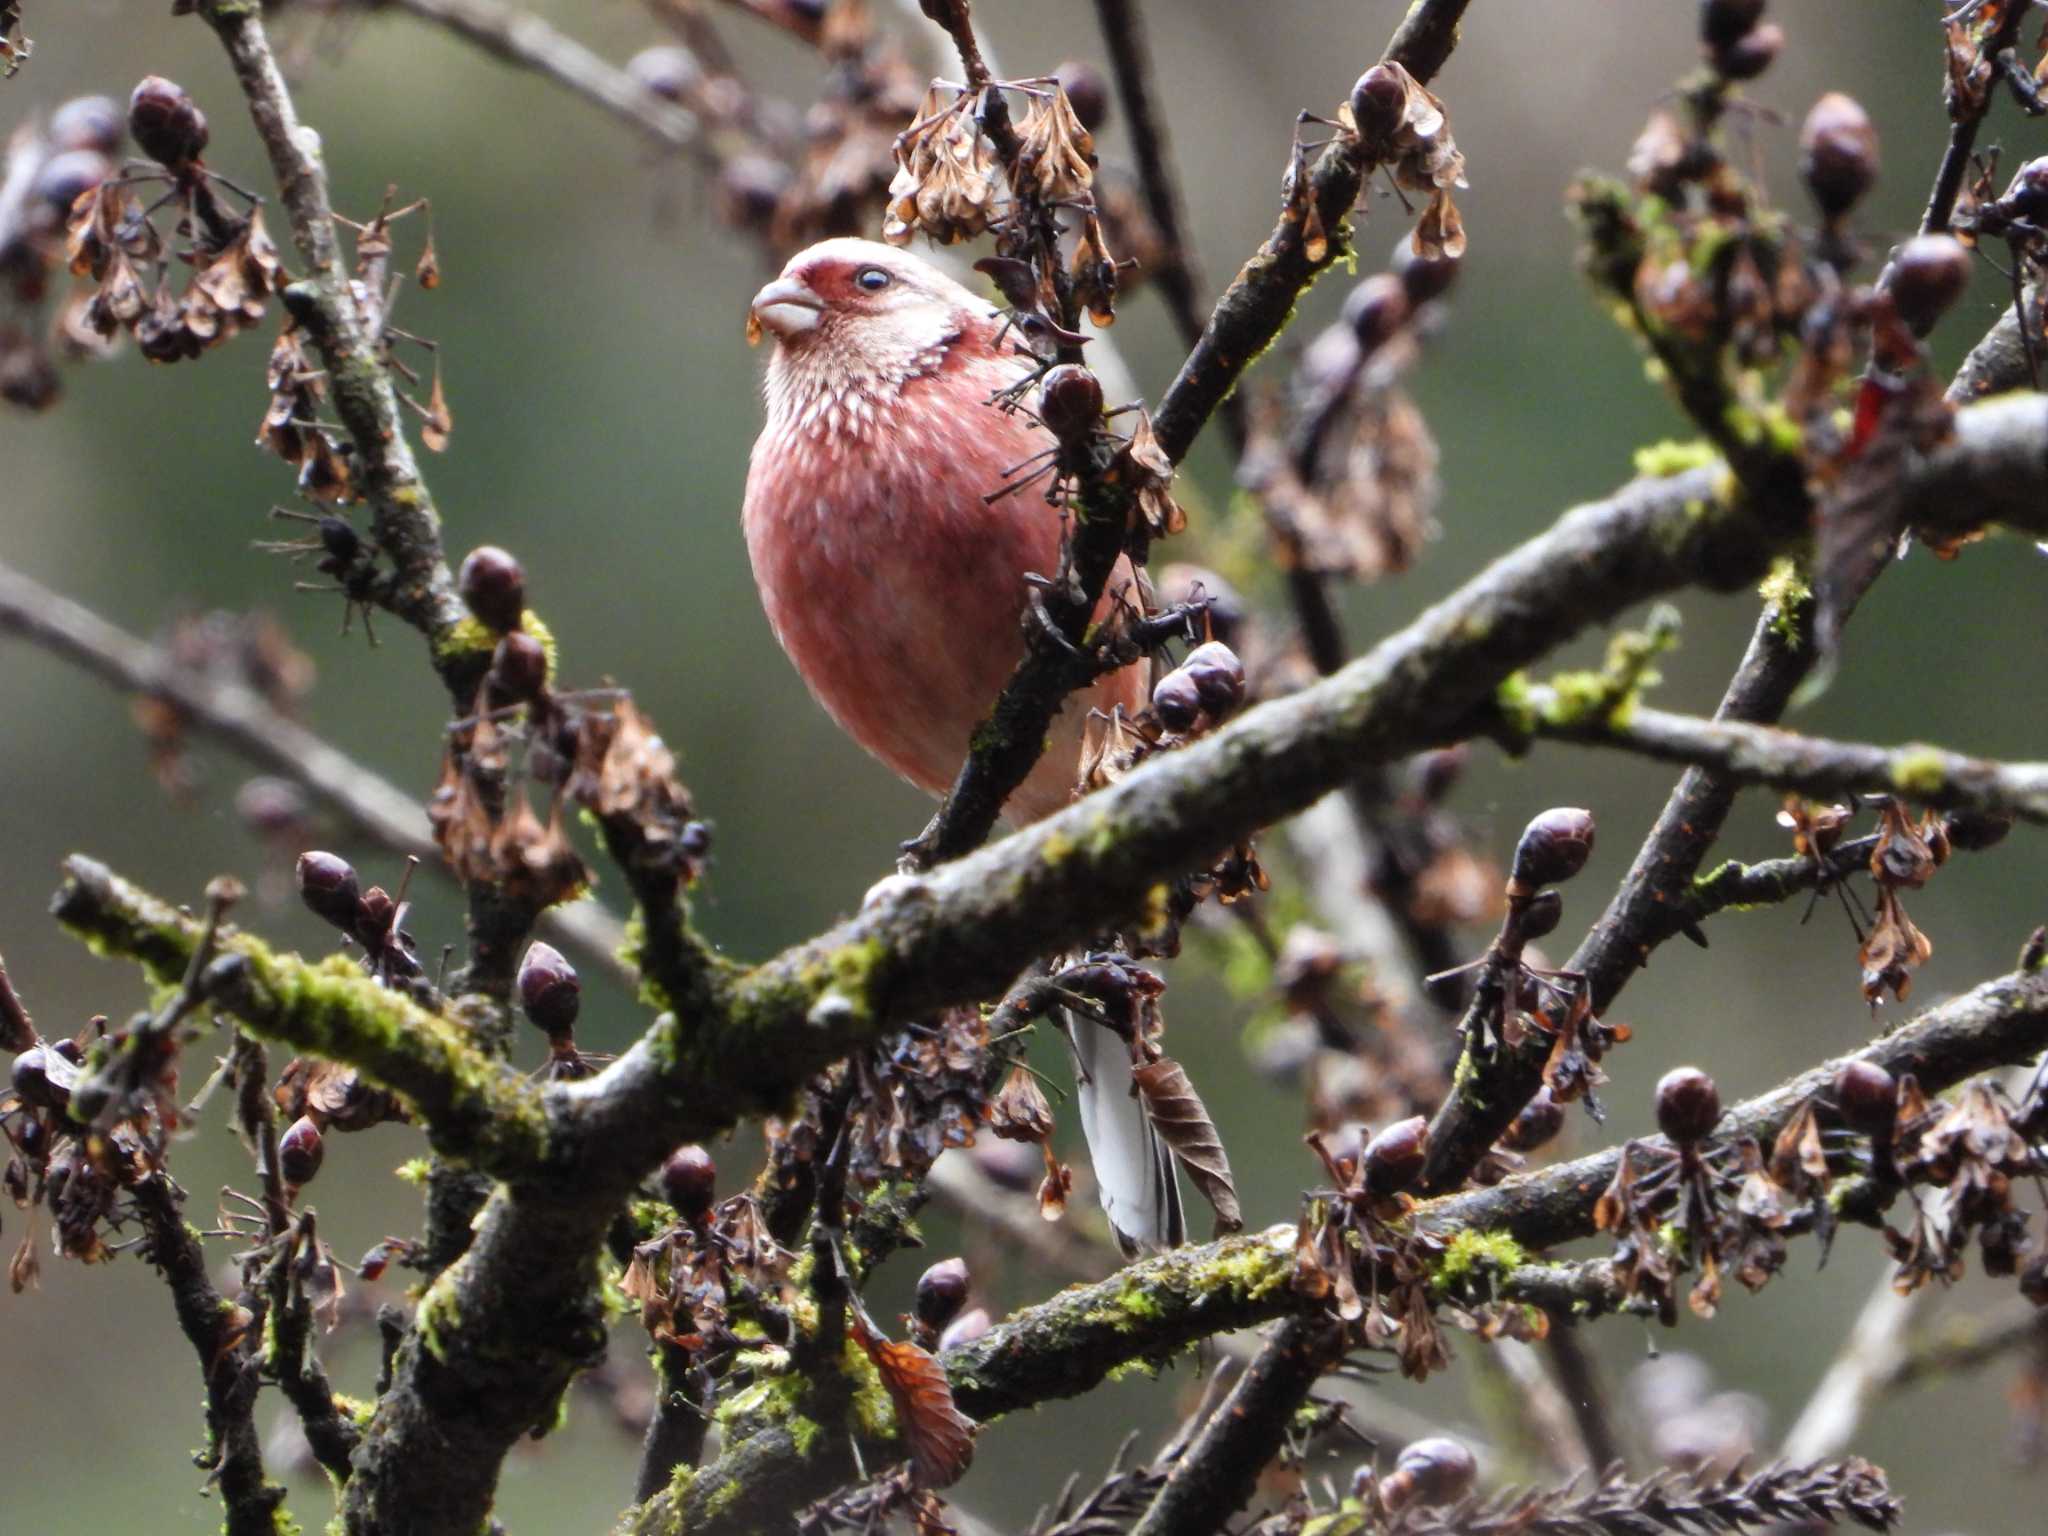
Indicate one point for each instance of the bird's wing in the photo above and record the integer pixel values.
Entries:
(1134, 1174)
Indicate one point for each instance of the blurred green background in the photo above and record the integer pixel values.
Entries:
(591, 317)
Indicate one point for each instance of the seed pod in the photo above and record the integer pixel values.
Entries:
(1394, 1158)
(549, 992)
(1688, 1105)
(1537, 1125)
(1177, 701)
(1070, 402)
(689, 1180)
(668, 70)
(1429, 1472)
(1541, 915)
(327, 885)
(1928, 274)
(1378, 101)
(1868, 1099)
(1837, 154)
(88, 122)
(300, 1152)
(1974, 831)
(519, 667)
(1218, 677)
(941, 1293)
(1750, 54)
(493, 584)
(1423, 277)
(1723, 21)
(1554, 847)
(1376, 310)
(167, 124)
(1087, 92)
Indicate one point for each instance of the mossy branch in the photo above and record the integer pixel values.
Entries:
(474, 1108)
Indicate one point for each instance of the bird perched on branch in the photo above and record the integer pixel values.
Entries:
(897, 586)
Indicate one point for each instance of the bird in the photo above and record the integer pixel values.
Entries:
(896, 585)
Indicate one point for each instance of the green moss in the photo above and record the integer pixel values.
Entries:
(1473, 1256)
(1057, 849)
(1661, 460)
(1517, 709)
(1706, 889)
(468, 639)
(1789, 592)
(414, 1171)
(871, 1410)
(439, 1311)
(723, 1498)
(804, 1433)
(1919, 772)
(1249, 1267)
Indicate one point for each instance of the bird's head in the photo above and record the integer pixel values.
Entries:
(862, 316)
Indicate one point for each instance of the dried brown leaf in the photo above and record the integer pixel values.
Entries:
(1177, 1113)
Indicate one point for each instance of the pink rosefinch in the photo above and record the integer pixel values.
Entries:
(898, 589)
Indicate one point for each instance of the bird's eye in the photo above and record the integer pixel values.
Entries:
(872, 279)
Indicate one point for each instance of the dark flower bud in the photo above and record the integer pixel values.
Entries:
(1837, 154)
(1177, 701)
(1750, 54)
(327, 885)
(1377, 103)
(270, 805)
(65, 177)
(1218, 677)
(1376, 310)
(1723, 21)
(1688, 1105)
(519, 667)
(1422, 277)
(88, 122)
(1087, 92)
(1554, 847)
(965, 1329)
(1974, 831)
(167, 124)
(1394, 1157)
(750, 189)
(1438, 1470)
(695, 839)
(1537, 1125)
(941, 1293)
(1868, 1098)
(2028, 193)
(668, 70)
(493, 584)
(1928, 274)
(1541, 914)
(300, 1151)
(549, 992)
(1070, 402)
(42, 1082)
(689, 1180)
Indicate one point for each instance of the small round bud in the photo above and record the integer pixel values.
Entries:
(1218, 677)
(1537, 1125)
(1688, 1105)
(327, 885)
(1438, 1470)
(28, 378)
(1070, 402)
(2028, 192)
(695, 839)
(1394, 1157)
(1723, 21)
(668, 70)
(270, 805)
(941, 1292)
(32, 1078)
(965, 1329)
(519, 667)
(1377, 102)
(493, 584)
(1177, 701)
(1437, 772)
(1750, 54)
(750, 189)
(1541, 914)
(88, 122)
(1837, 153)
(300, 1151)
(167, 124)
(65, 177)
(1868, 1098)
(689, 1181)
(1178, 583)
(549, 993)
(1928, 275)
(1376, 310)
(1974, 831)
(1422, 277)
(1087, 92)
(1554, 847)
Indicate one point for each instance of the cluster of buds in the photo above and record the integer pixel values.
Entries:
(113, 242)
(50, 167)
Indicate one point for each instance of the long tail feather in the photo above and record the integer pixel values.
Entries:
(1134, 1172)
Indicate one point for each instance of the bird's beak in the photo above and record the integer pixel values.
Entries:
(787, 306)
